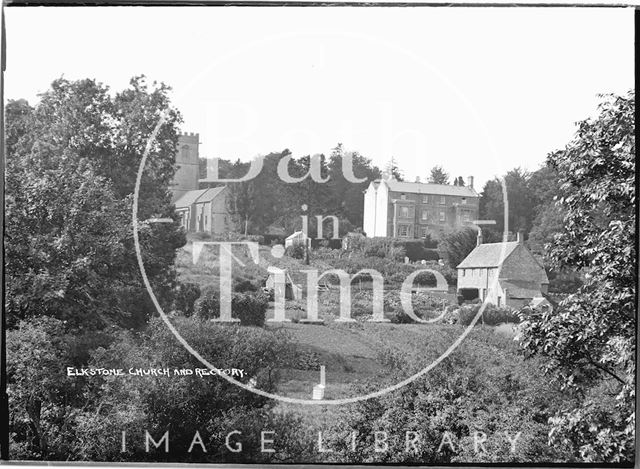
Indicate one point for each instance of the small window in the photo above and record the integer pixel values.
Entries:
(462, 272)
(425, 215)
(403, 230)
(404, 212)
(464, 201)
(425, 199)
(465, 216)
(443, 200)
(443, 216)
(403, 196)
(424, 232)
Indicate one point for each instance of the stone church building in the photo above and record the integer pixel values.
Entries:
(202, 209)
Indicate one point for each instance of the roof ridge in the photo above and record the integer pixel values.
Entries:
(488, 255)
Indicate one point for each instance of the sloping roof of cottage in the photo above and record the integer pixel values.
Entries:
(426, 188)
(189, 198)
(210, 194)
(488, 255)
(521, 288)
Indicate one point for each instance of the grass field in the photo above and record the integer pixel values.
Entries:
(355, 355)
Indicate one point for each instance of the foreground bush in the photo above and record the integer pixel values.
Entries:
(296, 250)
(483, 386)
(55, 417)
(250, 308)
(491, 316)
(185, 296)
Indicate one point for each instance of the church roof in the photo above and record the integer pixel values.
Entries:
(189, 198)
(425, 188)
(210, 194)
(488, 255)
(198, 196)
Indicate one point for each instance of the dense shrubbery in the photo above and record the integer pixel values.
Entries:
(247, 283)
(483, 386)
(424, 306)
(296, 250)
(249, 308)
(383, 247)
(416, 250)
(491, 316)
(208, 305)
(185, 296)
(83, 418)
(395, 249)
(454, 246)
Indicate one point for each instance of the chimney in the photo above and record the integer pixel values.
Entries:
(520, 237)
(470, 181)
(417, 178)
(479, 238)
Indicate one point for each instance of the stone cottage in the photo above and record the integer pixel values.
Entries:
(505, 274)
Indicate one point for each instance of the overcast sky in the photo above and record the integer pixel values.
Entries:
(478, 91)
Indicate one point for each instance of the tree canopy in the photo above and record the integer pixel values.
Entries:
(438, 176)
(72, 161)
(589, 339)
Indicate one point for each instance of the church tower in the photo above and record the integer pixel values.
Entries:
(187, 165)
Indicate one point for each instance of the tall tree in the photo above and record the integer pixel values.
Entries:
(345, 197)
(438, 175)
(70, 179)
(394, 170)
(456, 245)
(589, 339)
(521, 204)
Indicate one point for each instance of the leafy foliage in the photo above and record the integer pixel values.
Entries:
(589, 339)
(82, 418)
(250, 308)
(185, 297)
(483, 386)
(521, 204)
(491, 315)
(456, 245)
(439, 176)
(71, 167)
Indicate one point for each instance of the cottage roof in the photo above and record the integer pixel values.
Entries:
(488, 255)
(521, 288)
(189, 198)
(210, 194)
(425, 188)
